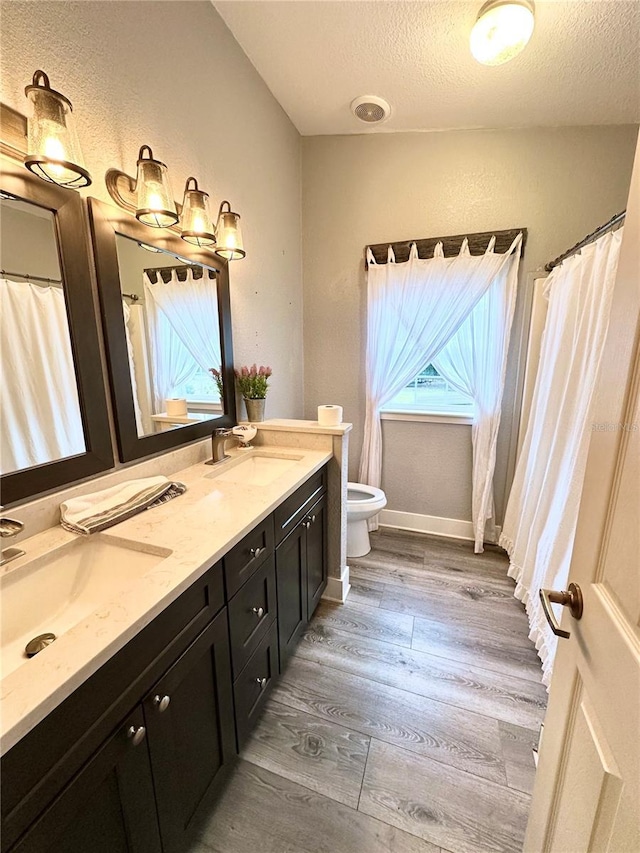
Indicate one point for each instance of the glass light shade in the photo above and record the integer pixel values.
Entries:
(502, 30)
(156, 206)
(195, 221)
(53, 149)
(229, 235)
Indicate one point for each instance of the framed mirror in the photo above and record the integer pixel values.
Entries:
(167, 325)
(55, 425)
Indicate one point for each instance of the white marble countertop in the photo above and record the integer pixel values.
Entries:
(198, 528)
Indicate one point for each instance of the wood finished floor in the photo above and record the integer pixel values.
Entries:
(405, 720)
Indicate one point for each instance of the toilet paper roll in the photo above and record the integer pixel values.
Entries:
(176, 407)
(329, 415)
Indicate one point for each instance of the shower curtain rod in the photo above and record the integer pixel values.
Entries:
(132, 296)
(615, 220)
(29, 277)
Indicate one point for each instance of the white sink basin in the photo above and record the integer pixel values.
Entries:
(256, 470)
(59, 589)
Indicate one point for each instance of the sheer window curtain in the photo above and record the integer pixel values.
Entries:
(414, 309)
(475, 362)
(542, 511)
(41, 418)
(191, 307)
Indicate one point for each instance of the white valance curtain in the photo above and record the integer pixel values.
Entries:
(542, 511)
(41, 418)
(414, 309)
(475, 362)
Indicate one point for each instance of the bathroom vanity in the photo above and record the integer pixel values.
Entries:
(121, 731)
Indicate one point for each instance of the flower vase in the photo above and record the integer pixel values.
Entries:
(255, 409)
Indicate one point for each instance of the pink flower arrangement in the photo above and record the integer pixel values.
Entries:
(217, 378)
(253, 382)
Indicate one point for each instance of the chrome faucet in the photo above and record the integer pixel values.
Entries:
(10, 527)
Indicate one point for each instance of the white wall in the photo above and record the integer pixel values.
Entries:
(170, 75)
(560, 183)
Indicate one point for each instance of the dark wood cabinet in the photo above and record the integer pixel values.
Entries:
(301, 576)
(109, 807)
(96, 775)
(189, 720)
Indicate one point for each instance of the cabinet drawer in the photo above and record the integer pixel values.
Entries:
(251, 612)
(254, 684)
(45, 759)
(289, 513)
(250, 553)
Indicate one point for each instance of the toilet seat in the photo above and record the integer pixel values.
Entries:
(361, 496)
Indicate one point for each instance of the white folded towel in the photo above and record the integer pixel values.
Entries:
(99, 510)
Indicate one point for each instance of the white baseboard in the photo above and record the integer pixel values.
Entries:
(337, 589)
(454, 528)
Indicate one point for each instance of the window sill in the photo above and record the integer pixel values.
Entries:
(428, 417)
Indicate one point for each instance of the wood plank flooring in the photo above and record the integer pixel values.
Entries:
(405, 720)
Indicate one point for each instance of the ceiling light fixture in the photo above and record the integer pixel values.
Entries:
(502, 31)
(53, 149)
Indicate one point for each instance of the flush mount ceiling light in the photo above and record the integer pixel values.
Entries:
(370, 109)
(195, 221)
(502, 30)
(53, 149)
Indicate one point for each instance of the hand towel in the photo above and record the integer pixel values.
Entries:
(99, 510)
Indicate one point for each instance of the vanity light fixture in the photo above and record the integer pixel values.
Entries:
(229, 243)
(502, 31)
(155, 206)
(149, 248)
(195, 221)
(53, 149)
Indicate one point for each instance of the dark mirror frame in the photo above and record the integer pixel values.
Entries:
(107, 221)
(76, 272)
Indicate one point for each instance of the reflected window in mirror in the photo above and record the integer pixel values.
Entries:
(41, 414)
(172, 329)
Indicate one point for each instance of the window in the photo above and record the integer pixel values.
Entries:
(431, 394)
(200, 391)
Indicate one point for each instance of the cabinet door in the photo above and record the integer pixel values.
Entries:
(109, 806)
(316, 555)
(189, 717)
(291, 584)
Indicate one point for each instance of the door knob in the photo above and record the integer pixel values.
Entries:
(136, 734)
(571, 598)
(161, 702)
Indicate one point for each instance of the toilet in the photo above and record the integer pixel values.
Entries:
(363, 502)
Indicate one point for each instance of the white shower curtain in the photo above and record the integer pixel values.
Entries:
(542, 510)
(41, 419)
(475, 362)
(191, 307)
(139, 368)
(414, 309)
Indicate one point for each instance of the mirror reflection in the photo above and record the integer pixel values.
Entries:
(41, 419)
(172, 328)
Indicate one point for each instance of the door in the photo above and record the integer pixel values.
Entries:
(316, 562)
(189, 718)
(109, 807)
(587, 789)
(291, 585)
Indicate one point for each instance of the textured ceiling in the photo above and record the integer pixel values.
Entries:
(582, 65)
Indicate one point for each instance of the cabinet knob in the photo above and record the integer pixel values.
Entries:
(259, 611)
(161, 702)
(136, 734)
(262, 682)
(255, 552)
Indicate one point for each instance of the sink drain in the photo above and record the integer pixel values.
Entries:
(38, 644)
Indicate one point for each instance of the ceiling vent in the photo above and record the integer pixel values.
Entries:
(370, 109)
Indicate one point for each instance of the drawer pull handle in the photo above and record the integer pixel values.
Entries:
(259, 611)
(255, 552)
(262, 682)
(136, 734)
(161, 702)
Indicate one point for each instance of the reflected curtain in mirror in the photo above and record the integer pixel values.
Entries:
(38, 395)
